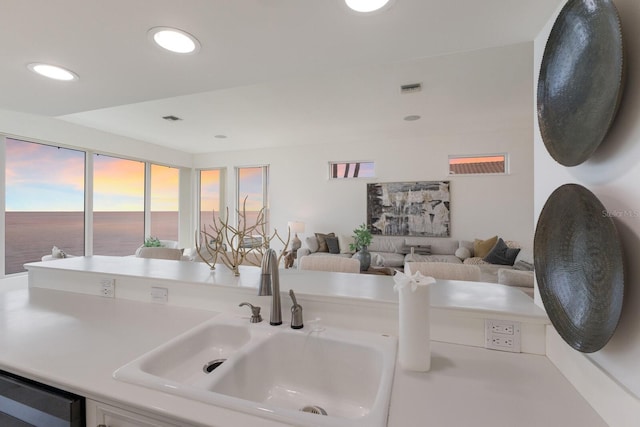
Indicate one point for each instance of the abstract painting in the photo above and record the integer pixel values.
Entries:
(409, 208)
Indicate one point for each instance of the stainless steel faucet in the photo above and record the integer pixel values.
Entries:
(270, 285)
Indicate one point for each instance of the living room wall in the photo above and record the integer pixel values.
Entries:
(475, 103)
(609, 378)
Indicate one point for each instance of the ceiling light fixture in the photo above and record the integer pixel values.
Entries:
(366, 5)
(174, 40)
(412, 118)
(52, 71)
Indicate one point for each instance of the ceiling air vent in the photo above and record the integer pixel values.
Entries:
(411, 88)
(172, 118)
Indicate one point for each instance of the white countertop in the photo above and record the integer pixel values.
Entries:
(468, 296)
(76, 341)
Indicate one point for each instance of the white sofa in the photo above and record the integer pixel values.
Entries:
(395, 251)
(390, 251)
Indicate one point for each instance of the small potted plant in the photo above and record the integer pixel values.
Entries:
(361, 240)
(152, 242)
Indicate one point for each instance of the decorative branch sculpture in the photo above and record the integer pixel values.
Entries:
(236, 245)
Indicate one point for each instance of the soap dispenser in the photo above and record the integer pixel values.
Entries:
(296, 312)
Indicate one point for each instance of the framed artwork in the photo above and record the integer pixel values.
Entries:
(409, 208)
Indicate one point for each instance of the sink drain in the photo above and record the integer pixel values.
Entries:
(314, 410)
(209, 367)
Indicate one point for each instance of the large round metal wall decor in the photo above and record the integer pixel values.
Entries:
(581, 80)
(579, 267)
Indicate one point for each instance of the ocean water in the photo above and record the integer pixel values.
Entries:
(31, 235)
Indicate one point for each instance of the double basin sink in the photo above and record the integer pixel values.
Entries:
(308, 377)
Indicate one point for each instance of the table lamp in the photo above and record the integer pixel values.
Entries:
(296, 227)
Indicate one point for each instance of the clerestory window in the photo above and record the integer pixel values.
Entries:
(344, 170)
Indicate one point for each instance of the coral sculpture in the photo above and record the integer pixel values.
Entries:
(233, 246)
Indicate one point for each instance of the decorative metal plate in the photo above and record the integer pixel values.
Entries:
(581, 80)
(579, 267)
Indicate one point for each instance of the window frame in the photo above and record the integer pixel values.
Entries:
(89, 189)
(265, 193)
(3, 217)
(146, 196)
(198, 209)
(333, 165)
(505, 156)
(148, 188)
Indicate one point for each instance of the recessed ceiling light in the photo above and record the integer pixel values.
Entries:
(52, 71)
(366, 5)
(412, 118)
(174, 40)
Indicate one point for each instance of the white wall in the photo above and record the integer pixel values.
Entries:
(609, 378)
(477, 102)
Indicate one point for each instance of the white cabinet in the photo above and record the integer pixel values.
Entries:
(101, 414)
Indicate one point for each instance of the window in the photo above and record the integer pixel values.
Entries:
(44, 202)
(118, 205)
(46, 196)
(252, 194)
(342, 170)
(165, 189)
(491, 164)
(210, 197)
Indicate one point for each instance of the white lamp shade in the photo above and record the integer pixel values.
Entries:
(296, 226)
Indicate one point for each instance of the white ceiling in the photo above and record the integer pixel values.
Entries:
(269, 73)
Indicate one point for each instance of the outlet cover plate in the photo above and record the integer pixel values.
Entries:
(108, 287)
(159, 294)
(503, 335)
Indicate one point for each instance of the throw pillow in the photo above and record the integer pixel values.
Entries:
(57, 253)
(322, 241)
(502, 254)
(312, 243)
(482, 247)
(333, 245)
(463, 253)
(344, 242)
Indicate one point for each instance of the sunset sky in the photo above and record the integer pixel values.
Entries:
(44, 178)
(40, 177)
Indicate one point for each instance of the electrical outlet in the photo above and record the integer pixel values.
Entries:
(159, 294)
(502, 329)
(502, 335)
(108, 287)
(502, 342)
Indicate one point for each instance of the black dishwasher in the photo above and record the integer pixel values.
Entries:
(24, 403)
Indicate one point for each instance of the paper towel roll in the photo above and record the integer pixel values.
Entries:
(414, 347)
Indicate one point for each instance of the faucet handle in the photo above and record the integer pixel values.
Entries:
(296, 312)
(255, 312)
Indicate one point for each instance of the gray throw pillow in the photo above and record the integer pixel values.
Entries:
(501, 254)
(333, 245)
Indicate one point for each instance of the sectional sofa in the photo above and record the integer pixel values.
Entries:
(395, 251)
